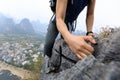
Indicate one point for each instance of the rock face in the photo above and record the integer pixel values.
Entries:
(102, 65)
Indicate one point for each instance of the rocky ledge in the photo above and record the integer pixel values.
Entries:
(102, 65)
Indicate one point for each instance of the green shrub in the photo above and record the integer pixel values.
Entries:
(105, 32)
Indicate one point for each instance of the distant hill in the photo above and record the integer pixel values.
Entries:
(8, 26)
(25, 26)
(40, 28)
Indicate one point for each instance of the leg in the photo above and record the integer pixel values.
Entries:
(50, 38)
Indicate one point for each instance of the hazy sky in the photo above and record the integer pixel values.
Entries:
(106, 11)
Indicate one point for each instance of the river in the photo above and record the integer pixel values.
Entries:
(10, 70)
(7, 75)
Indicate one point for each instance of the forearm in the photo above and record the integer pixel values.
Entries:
(62, 28)
(89, 22)
(90, 15)
(60, 16)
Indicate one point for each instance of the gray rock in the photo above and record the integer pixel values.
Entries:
(102, 65)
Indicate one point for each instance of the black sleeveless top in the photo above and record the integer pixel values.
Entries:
(74, 9)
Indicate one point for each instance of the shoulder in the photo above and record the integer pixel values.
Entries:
(91, 1)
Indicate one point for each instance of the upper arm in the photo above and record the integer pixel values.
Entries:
(90, 7)
(61, 9)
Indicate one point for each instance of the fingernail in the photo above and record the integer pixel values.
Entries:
(96, 44)
(94, 41)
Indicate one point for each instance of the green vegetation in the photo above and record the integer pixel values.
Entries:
(38, 65)
(105, 32)
(29, 79)
(35, 67)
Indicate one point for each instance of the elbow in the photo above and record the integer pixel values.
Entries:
(59, 21)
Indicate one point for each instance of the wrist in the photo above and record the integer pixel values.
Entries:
(67, 37)
(88, 32)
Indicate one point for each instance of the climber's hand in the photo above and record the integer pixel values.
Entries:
(79, 45)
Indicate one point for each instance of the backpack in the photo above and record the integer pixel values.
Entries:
(53, 4)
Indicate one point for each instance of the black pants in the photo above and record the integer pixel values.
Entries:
(51, 35)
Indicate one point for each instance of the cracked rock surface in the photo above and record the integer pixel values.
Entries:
(102, 65)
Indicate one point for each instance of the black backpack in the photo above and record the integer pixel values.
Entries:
(53, 4)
